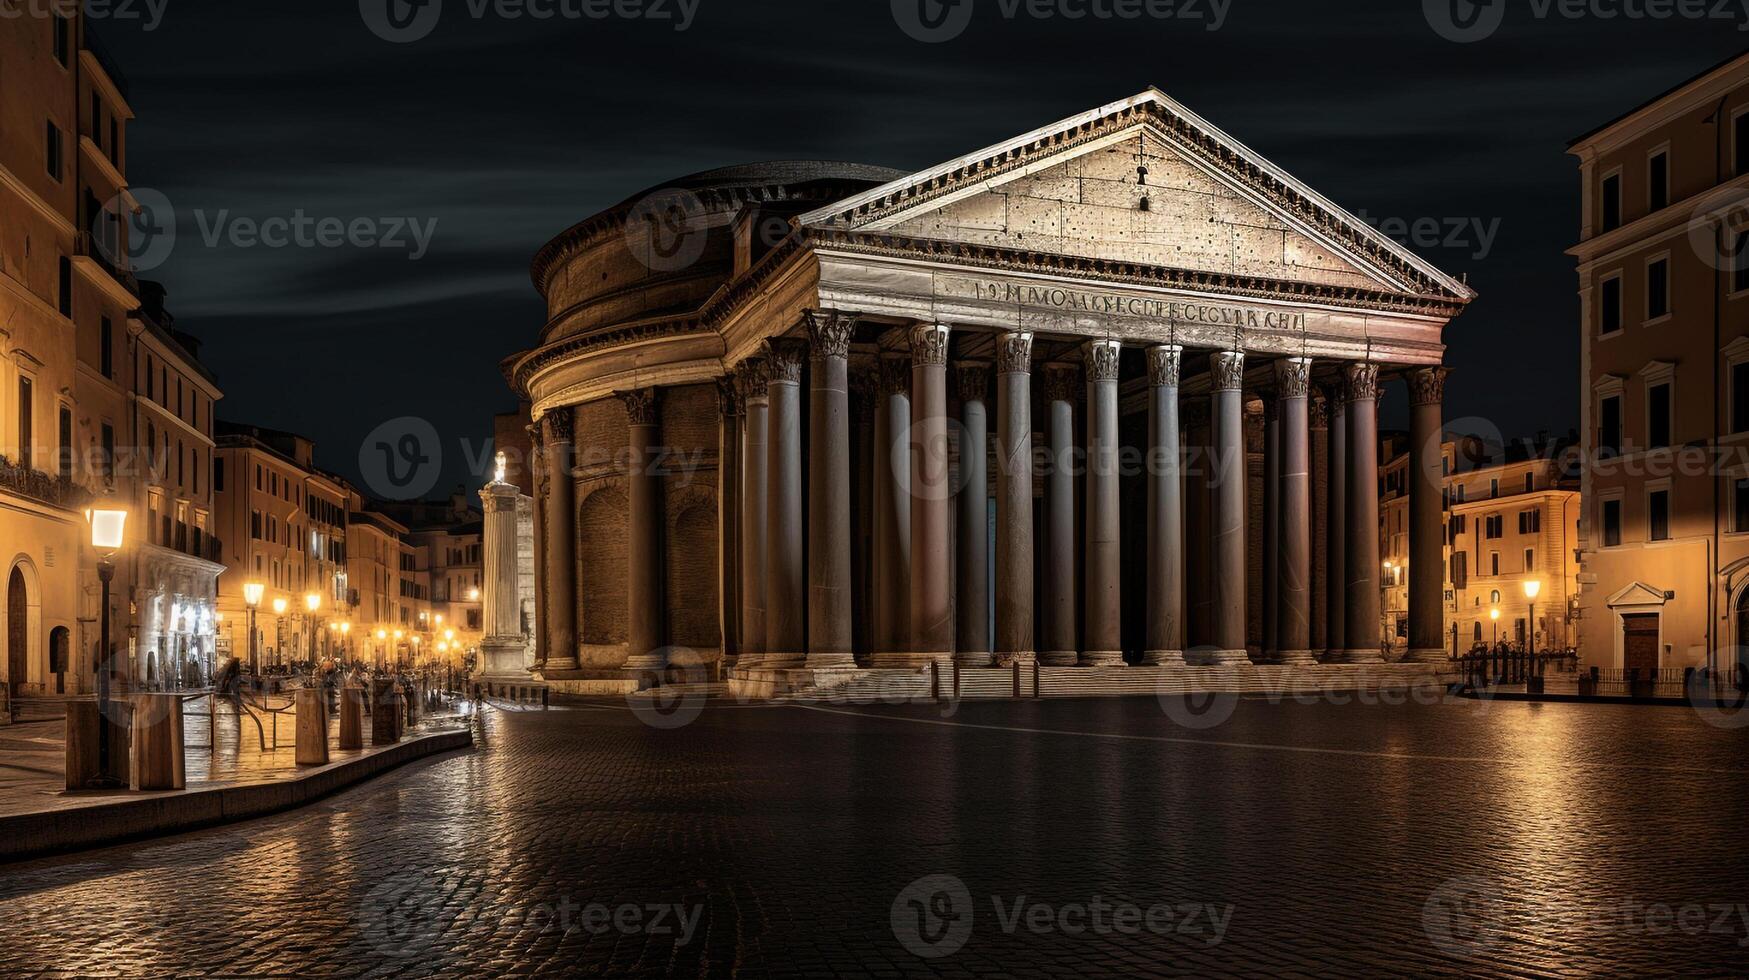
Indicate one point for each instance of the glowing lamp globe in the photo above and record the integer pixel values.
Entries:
(106, 528)
(252, 592)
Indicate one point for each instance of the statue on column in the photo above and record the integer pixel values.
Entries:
(504, 650)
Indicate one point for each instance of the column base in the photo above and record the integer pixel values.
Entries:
(1220, 658)
(1163, 658)
(837, 660)
(1024, 658)
(783, 661)
(1358, 657)
(1102, 658)
(1295, 658)
(903, 659)
(1059, 658)
(1438, 655)
(648, 661)
(974, 658)
(562, 663)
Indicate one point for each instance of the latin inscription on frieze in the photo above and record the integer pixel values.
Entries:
(1096, 303)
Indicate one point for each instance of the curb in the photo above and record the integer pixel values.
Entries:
(33, 835)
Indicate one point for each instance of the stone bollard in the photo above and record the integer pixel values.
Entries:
(157, 760)
(385, 713)
(82, 765)
(312, 709)
(412, 696)
(351, 718)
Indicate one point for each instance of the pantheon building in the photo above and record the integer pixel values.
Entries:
(1104, 395)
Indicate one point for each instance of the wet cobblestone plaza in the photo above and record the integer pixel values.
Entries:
(1041, 838)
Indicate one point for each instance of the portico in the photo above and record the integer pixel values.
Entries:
(1069, 344)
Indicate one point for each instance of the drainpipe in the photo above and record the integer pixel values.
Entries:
(1720, 285)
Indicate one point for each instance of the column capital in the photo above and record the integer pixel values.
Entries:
(1014, 353)
(1427, 386)
(751, 376)
(895, 374)
(1360, 382)
(1061, 382)
(640, 405)
(558, 422)
(784, 354)
(1165, 365)
(972, 380)
(1293, 377)
(829, 333)
(1228, 370)
(1102, 358)
(536, 437)
(929, 343)
(729, 396)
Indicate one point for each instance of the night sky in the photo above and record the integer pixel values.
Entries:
(506, 131)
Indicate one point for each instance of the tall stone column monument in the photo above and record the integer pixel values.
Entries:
(503, 651)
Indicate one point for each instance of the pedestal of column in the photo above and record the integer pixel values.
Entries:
(1293, 618)
(1363, 631)
(972, 554)
(1227, 508)
(645, 623)
(560, 526)
(786, 592)
(1336, 564)
(1059, 650)
(892, 514)
(1426, 516)
(1104, 595)
(1014, 532)
(831, 643)
(932, 625)
(1165, 606)
(754, 376)
(502, 650)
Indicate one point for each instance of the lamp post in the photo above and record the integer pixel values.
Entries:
(345, 636)
(312, 602)
(1494, 614)
(1532, 588)
(107, 526)
(252, 598)
(381, 636)
(279, 605)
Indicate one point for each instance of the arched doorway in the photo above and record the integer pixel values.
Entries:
(17, 631)
(1740, 665)
(60, 649)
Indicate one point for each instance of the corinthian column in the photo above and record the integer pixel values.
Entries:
(1227, 408)
(1271, 524)
(892, 514)
(972, 595)
(1165, 603)
(1198, 548)
(1336, 561)
(932, 625)
(1059, 579)
(831, 642)
(754, 377)
(561, 531)
(1293, 618)
(1014, 641)
(1363, 631)
(537, 487)
(1319, 411)
(645, 649)
(1426, 516)
(729, 514)
(1104, 548)
(786, 591)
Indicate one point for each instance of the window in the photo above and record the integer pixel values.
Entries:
(1658, 415)
(1658, 288)
(66, 287)
(1658, 515)
(108, 451)
(64, 426)
(1740, 263)
(1530, 521)
(1530, 559)
(25, 439)
(1612, 202)
(63, 39)
(1460, 495)
(1609, 425)
(1460, 570)
(1529, 482)
(1740, 506)
(1496, 527)
(255, 525)
(1658, 181)
(1740, 136)
(1493, 489)
(1494, 568)
(150, 374)
(52, 150)
(1611, 523)
(1609, 306)
(106, 356)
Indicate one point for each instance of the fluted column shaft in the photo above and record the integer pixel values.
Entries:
(645, 649)
(1362, 631)
(1014, 533)
(1104, 596)
(1227, 510)
(972, 555)
(754, 377)
(1293, 620)
(1320, 493)
(1272, 503)
(561, 552)
(1336, 563)
(786, 589)
(892, 516)
(729, 515)
(1166, 558)
(831, 640)
(1426, 516)
(1198, 547)
(1059, 578)
(932, 625)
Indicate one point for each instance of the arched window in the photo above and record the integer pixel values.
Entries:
(1494, 597)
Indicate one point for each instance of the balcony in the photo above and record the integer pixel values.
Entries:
(56, 491)
(87, 247)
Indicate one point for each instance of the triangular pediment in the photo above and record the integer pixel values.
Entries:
(1637, 594)
(1207, 204)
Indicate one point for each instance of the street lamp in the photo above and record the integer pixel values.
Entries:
(345, 631)
(107, 526)
(252, 598)
(1533, 587)
(279, 605)
(1494, 614)
(312, 602)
